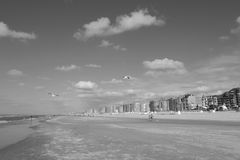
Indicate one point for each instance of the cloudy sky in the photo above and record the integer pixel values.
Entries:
(82, 49)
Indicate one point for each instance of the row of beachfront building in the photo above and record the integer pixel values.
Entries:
(229, 100)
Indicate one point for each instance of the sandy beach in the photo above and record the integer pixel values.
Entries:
(12, 134)
(124, 137)
(211, 116)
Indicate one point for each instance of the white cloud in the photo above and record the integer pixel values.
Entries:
(21, 84)
(101, 94)
(238, 20)
(202, 88)
(224, 78)
(44, 78)
(110, 94)
(221, 63)
(174, 93)
(93, 66)
(236, 30)
(149, 95)
(6, 32)
(224, 38)
(15, 72)
(227, 59)
(162, 66)
(86, 85)
(218, 92)
(103, 27)
(161, 73)
(131, 91)
(39, 87)
(67, 68)
(113, 81)
(85, 95)
(105, 44)
(119, 48)
(211, 69)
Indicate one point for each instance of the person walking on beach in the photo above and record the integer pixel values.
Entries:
(150, 116)
(31, 119)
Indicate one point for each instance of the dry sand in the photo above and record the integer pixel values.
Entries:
(210, 116)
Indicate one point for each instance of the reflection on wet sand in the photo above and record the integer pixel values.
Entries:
(74, 138)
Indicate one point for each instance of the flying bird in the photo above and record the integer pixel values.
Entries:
(53, 94)
(127, 77)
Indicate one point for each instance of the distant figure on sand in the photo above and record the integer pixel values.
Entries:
(150, 116)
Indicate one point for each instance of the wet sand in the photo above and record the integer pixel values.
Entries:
(89, 138)
(13, 133)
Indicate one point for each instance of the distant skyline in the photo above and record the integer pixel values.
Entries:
(82, 49)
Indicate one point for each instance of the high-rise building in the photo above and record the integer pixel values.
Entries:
(186, 105)
(146, 106)
(235, 97)
(120, 108)
(191, 100)
(126, 108)
(102, 110)
(163, 105)
(154, 106)
(226, 99)
(132, 107)
(108, 109)
(174, 104)
(204, 102)
(137, 107)
(198, 102)
(143, 107)
(230, 98)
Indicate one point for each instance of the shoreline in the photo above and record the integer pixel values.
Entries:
(12, 134)
(16, 131)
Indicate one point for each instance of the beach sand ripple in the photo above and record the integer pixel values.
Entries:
(84, 138)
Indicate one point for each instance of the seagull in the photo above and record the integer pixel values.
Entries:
(52, 94)
(127, 77)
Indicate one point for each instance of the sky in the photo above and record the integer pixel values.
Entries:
(96, 53)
